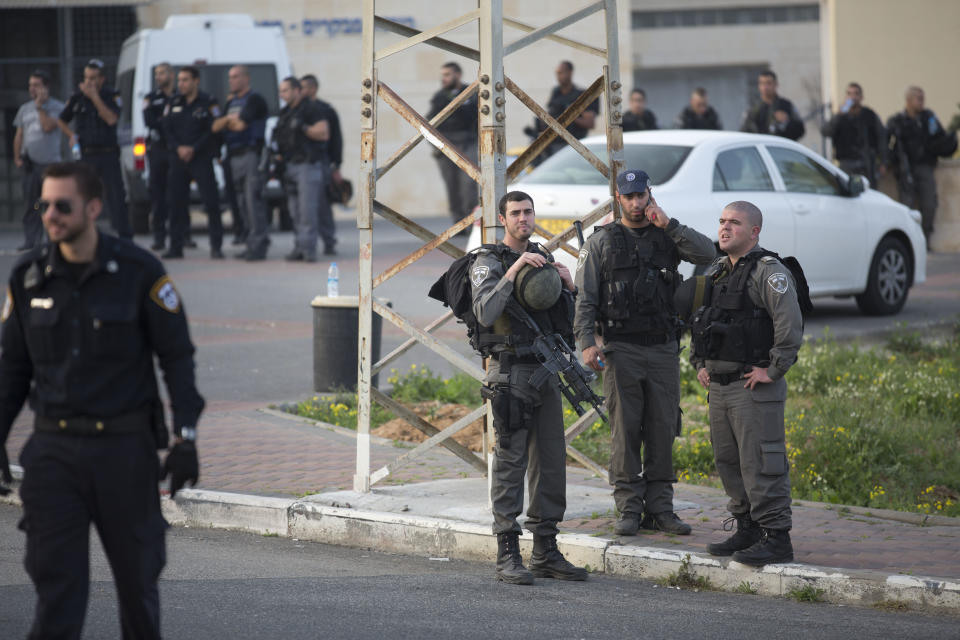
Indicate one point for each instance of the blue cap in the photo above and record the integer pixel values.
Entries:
(632, 181)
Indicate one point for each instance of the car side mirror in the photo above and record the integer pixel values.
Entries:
(856, 185)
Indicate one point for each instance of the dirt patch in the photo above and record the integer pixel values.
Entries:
(440, 416)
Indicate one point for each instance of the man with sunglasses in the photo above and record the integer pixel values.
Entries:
(95, 109)
(81, 323)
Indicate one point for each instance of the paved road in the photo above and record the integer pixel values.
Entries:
(222, 584)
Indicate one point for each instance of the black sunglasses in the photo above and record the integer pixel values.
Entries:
(63, 206)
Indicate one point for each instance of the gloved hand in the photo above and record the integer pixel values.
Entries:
(182, 464)
(6, 478)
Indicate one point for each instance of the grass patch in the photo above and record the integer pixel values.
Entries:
(686, 578)
(892, 605)
(806, 593)
(745, 588)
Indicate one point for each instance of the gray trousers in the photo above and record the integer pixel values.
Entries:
(642, 386)
(325, 224)
(749, 447)
(461, 189)
(248, 182)
(538, 450)
(305, 186)
(921, 195)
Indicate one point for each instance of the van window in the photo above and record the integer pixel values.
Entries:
(125, 87)
(263, 80)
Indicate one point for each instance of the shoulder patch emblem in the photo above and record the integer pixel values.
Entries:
(582, 258)
(778, 282)
(479, 274)
(165, 295)
(7, 306)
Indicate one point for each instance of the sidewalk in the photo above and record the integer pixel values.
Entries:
(273, 473)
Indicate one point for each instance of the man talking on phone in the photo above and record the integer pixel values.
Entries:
(626, 277)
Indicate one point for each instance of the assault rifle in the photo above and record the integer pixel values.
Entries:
(556, 357)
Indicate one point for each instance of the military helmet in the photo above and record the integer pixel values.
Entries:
(537, 288)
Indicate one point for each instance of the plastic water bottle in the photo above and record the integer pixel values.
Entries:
(333, 281)
(75, 150)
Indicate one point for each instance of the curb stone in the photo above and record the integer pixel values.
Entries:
(436, 537)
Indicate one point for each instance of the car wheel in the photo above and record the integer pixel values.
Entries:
(889, 280)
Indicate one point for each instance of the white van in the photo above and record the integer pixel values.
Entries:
(211, 42)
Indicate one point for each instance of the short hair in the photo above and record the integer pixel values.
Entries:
(42, 76)
(86, 178)
(454, 66)
(768, 73)
(164, 65)
(752, 211)
(242, 68)
(640, 91)
(512, 196)
(700, 91)
(855, 85)
(567, 64)
(309, 79)
(912, 89)
(193, 71)
(293, 82)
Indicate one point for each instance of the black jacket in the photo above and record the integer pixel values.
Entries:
(190, 123)
(689, 119)
(760, 119)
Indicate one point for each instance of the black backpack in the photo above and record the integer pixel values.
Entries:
(454, 290)
(803, 289)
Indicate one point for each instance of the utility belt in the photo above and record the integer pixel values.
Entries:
(724, 379)
(139, 420)
(98, 151)
(233, 152)
(641, 339)
(508, 359)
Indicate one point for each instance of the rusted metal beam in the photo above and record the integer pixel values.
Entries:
(552, 28)
(425, 249)
(426, 445)
(424, 338)
(429, 132)
(440, 43)
(416, 421)
(614, 106)
(548, 135)
(436, 121)
(403, 348)
(546, 235)
(516, 24)
(559, 129)
(571, 231)
(581, 425)
(428, 35)
(414, 229)
(585, 461)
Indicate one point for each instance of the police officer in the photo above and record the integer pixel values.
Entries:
(328, 230)
(859, 139)
(96, 108)
(638, 117)
(916, 139)
(461, 130)
(300, 134)
(528, 419)
(744, 341)
(244, 126)
(83, 318)
(626, 276)
(561, 97)
(773, 114)
(698, 114)
(187, 127)
(154, 106)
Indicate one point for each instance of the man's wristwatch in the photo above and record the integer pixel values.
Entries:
(188, 433)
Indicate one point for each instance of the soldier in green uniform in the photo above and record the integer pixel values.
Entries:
(744, 341)
(626, 277)
(528, 419)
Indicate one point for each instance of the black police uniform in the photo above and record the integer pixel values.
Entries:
(859, 142)
(690, 119)
(646, 121)
(155, 104)
(556, 105)
(85, 335)
(460, 129)
(189, 124)
(99, 149)
(760, 119)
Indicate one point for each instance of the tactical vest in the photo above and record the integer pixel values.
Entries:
(731, 327)
(511, 334)
(253, 135)
(639, 280)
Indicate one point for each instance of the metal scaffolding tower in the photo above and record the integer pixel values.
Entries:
(492, 175)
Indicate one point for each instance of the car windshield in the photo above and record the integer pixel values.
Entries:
(660, 161)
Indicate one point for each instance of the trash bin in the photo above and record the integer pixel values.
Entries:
(335, 333)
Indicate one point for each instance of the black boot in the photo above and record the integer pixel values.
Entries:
(510, 567)
(773, 547)
(548, 562)
(746, 535)
(666, 521)
(627, 524)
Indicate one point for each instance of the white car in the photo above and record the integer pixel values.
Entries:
(850, 240)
